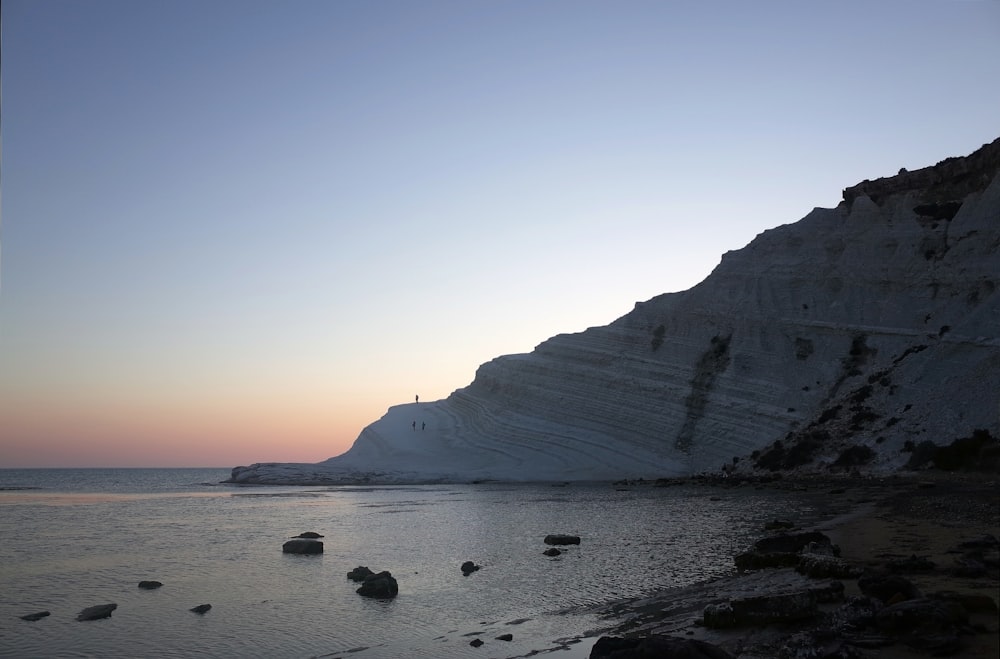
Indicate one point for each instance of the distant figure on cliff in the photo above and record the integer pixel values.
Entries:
(418, 398)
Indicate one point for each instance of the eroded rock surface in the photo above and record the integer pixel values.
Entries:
(827, 344)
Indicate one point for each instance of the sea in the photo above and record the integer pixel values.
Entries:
(76, 538)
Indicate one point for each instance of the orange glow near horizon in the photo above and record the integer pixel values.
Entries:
(83, 432)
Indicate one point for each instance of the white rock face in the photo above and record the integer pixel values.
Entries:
(889, 310)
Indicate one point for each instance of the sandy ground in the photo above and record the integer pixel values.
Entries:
(872, 521)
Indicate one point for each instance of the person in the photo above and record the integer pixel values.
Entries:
(423, 425)
(414, 425)
(418, 398)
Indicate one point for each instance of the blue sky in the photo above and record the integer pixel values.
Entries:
(237, 231)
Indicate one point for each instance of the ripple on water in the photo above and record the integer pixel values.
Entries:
(226, 551)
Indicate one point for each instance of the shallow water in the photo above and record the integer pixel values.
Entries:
(89, 538)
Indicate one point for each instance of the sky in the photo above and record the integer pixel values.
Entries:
(238, 231)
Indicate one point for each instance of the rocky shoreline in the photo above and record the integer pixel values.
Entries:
(911, 571)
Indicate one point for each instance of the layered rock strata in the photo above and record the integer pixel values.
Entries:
(868, 327)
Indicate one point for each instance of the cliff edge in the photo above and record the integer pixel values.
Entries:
(859, 338)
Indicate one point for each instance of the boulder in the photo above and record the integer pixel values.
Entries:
(359, 573)
(201, 609)
(32, 617)
(381, 586)
(821, 566)
(790, 542)
(303, 546)
(309, 534)
(667, 647)
(552, 551)
(783, 549)
(476, 642)
(149, 585)
(96, 612)
(561, 539)
(468, 567)
(505, 637)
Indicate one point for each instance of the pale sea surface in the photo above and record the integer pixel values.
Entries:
(88, 536)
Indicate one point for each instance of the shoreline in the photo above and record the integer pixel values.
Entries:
(872, 521)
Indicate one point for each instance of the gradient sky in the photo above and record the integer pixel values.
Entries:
(238, 231)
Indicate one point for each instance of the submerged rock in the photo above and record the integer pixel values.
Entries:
(468, 567)
(149, 585)
(309, 534)
(97, 612)
(32, 617)
(380, 586)
(201, 609)
(303, 546)
(562, 539)
(359, 573)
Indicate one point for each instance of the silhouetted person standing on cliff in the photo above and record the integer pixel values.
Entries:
(418, 398)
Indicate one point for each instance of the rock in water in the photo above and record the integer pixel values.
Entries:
(201, 609)
(149, 585)
(560, 539)
(381, 586)
(359, 573)
(831, 341)
(97, 612)
(468, 567)
(303, 546)
(32, 617)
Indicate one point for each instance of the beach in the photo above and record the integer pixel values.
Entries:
(873, 522)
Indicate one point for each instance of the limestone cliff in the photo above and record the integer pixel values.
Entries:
(875, 324)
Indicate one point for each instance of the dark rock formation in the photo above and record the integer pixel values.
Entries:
(380, 586)
(149, 585)
(782, 550)
(561, 539)
(201, 609)
(32, 617)
(468, 567)
(309, 534)
(505, 637)
(97, 612)
(359, 573)
(303, 546)
(655, 646)
(552, 551)
(476, 642)
(941, 186)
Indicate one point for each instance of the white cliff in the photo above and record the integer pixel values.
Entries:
(874, 324)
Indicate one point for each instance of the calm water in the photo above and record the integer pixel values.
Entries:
(88, 537)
